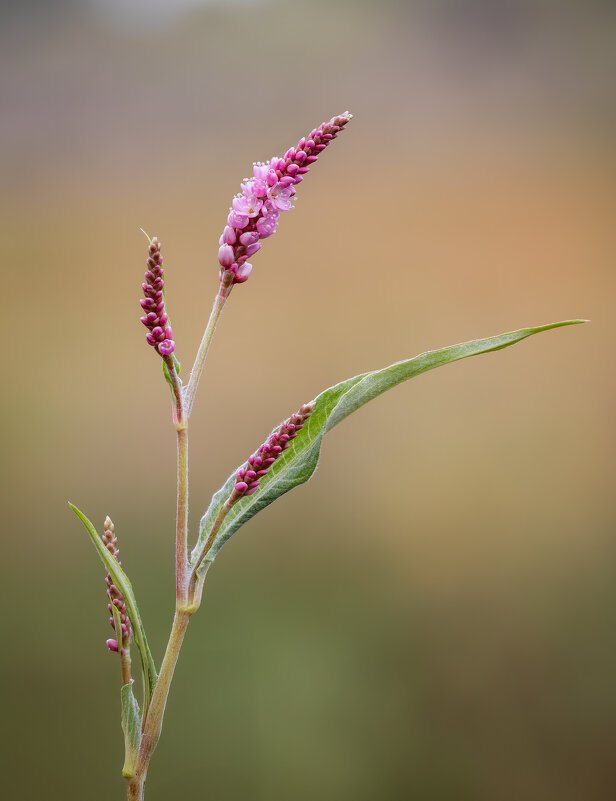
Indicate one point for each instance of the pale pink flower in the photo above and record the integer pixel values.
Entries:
(280, 197)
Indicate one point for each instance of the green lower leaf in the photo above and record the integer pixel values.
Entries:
(298, 463)
(131, 726)
(120, 579)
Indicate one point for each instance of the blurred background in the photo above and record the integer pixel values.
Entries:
(430, 618)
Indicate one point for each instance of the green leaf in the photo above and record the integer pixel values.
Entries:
(120, 579)
(131, 726)
(298, 463)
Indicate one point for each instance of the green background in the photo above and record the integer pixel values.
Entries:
(432, 616)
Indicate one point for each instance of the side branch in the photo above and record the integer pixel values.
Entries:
(208, 335)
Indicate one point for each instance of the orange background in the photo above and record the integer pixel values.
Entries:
(432, 617)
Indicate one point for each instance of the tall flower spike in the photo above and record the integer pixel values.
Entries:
(160, 335)
(256, 209)
(110, 542)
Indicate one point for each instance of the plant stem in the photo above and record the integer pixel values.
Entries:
(125, 664)
(135, 789)
(154, 720)
(195, 373)
(177, 387)
(181, 527)
(195, 589)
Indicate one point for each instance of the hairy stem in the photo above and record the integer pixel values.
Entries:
(177, 388)
(154, 720)
(181, 527)
(197, 370)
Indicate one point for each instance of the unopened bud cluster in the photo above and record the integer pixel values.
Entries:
(255, 211)
(160, 335)
(260, 462)
(110, 542)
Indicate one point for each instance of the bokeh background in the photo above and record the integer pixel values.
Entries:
(432, 617)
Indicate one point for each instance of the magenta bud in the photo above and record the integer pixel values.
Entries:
(292, 169)
(112, 645)
(250, 475)
(251, 491)
(261, 473)
(163, 319)
(166, 347)
(241, 486)
(226, 256)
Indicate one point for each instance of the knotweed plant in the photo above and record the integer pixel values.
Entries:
(287, 458)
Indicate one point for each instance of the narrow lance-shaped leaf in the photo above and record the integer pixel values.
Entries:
(131, 726)
(297, 464)
(120, 579)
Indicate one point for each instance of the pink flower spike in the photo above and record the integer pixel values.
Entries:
(255, 212)
(156, 318)
(110, 541)
(266, 455)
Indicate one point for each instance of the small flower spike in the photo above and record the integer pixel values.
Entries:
(260, 462)
(256, 209)
(110, 542)
(160, 335)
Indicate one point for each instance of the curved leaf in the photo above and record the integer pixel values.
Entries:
(121, 580)
(298, 463)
